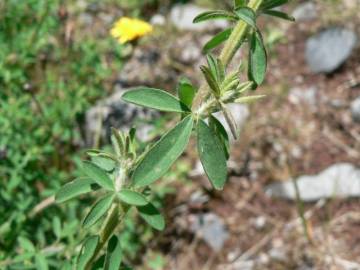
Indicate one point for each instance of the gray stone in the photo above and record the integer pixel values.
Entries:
(278, 254)
(243, 265)
(355, 109)
(329, 49)
(340, 180)
(260, 222)
(211, 228)
(158, 19)
(305, 12)
(182, 16)
(190, 53)
(113, 112)
(308, 96)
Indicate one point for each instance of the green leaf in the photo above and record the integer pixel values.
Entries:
(186, 92)
(217, 40)
(132, 197)
(163, 154)
(66, 266)
(269, 4)
(105, 163)
(211, 60)
(99, 263)
(41, 263)
(214, 15)
(279, 14)
(118, 142)
(239, 3)
(257, 59)
(211, 80)
(216, 67)
(87, 251)
(221, 133)
(211, 154)
(26, 244)
(230, 82)
(220, 70)
(98, 175)
(98, 210)
(249, 99)
(247, 15)
(243, 87)
(152, 216)
(56, 225)
(113, 254)
(154, 98)
(75, 188)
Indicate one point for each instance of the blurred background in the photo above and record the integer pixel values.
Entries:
(61, 78)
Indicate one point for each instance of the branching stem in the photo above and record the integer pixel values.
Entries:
(231, 46)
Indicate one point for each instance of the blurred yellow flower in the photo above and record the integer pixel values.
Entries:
(127, 29)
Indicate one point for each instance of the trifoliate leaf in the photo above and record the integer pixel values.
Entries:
(212, 155)
(98, 175)
(247, 15)
(279, 14)
(214, 15)
(217, 40)
(152, 216)
(98, 210)
(163, 154)
(75, 188)
(132, 197)
(155, 98)
(269, 4)
(186, 92)
(87, 251)
(257, 59)
(113, 254)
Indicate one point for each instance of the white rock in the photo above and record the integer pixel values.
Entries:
(308, 96)
(211, 228)
(339, 180)
(278, 254)
(328, 50)
(158, 19)
(242, 265)
(260, 222)
(190, 53)
(305, 12)
(113, 112)
(355, 109)
(182, 16)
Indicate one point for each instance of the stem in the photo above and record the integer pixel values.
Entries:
(231, 46)
(301, 212)
(115, 218)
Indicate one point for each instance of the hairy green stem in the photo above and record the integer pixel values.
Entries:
(231, 46)
(114, 218)
(110, 224)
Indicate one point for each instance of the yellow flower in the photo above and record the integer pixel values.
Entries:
(127, 29)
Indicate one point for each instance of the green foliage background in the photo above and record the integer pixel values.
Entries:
(46, 85)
